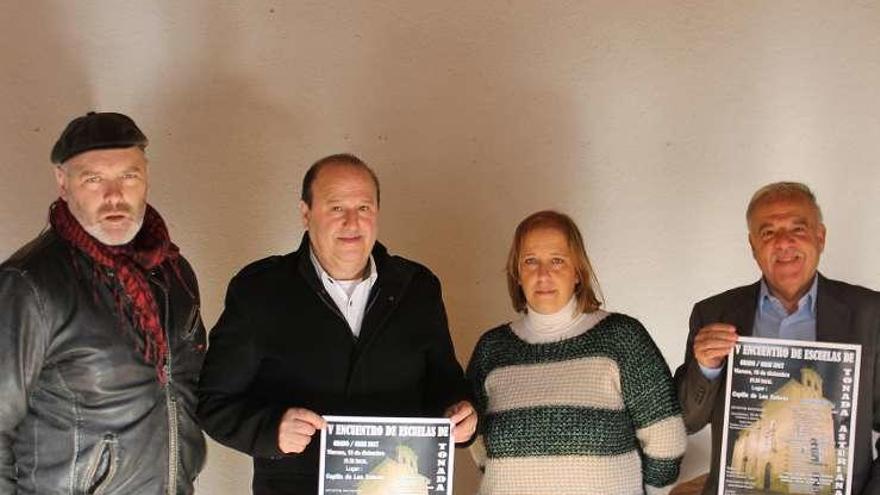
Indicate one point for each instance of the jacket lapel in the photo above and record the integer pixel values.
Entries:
(306, 269)
(742, 313)
(384, 297)
(833, 316)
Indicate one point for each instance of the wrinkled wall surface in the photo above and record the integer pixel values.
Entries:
(650, 122)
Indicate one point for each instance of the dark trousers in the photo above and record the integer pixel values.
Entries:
(288, 486)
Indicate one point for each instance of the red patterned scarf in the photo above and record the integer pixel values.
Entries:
(149, 249)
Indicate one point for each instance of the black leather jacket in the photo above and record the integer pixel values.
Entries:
(81, 411)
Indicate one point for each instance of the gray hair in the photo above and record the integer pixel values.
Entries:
(783, 190)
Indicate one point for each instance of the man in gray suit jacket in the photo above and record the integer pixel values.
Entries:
(791, 301)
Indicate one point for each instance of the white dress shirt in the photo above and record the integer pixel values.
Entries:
(350, 296)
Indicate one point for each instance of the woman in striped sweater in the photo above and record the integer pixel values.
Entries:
(572, 399)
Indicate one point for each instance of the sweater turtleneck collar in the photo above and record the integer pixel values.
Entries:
(553, 322)
(537, 328)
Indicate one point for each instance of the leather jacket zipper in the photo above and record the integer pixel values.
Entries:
(172, 437)
(170, 399)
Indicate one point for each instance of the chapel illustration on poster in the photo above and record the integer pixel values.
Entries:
(399, 475)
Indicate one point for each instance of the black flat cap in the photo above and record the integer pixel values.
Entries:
(96, 131)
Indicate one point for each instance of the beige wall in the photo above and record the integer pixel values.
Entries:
(650, 122)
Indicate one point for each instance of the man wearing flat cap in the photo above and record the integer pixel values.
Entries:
(101, 340)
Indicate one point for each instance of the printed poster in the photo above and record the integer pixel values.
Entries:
(382, 456)
(789, 423)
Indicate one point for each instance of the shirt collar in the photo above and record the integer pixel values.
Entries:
(765, 298)
(372, 272)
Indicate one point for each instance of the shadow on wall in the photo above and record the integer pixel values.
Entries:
(401, 91)
(219, 176)
(462, 159)
(224, 148)
(42, 86)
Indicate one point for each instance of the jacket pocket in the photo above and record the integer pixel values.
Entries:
(193, 322)
(194, 331)
(102, 466)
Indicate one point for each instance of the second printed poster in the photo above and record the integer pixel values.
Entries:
(790, 418)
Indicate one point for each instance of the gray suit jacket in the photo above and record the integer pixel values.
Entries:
(844, 313)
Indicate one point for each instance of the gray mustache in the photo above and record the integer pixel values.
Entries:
(116, 209)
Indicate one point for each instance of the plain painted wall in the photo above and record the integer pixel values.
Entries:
(650, 122)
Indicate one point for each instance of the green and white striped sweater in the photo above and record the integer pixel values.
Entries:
(596, 413)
